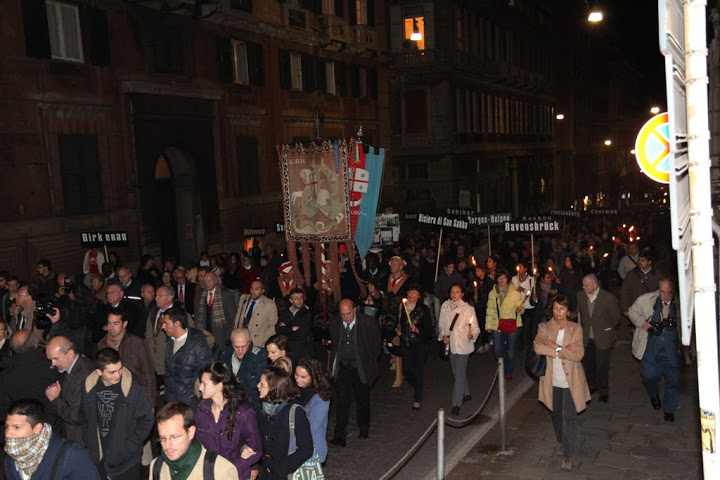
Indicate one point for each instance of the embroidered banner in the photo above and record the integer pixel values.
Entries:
(315, 191)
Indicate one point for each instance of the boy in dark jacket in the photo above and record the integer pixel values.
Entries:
(116, 417)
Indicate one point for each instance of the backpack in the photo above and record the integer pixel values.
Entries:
(208, 466)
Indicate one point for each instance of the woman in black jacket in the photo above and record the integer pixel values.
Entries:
(279, 396)
(415, 329)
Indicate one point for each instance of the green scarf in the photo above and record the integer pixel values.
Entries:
(181, 468)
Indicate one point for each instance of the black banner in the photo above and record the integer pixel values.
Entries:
(549, 226)
(443, 222)
(255, 232)
(565, 213)
(279, 227)
(603, 211)
(97, 239)
(489, 219)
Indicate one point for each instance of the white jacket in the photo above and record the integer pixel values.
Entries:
(639, 312)
(459, 343)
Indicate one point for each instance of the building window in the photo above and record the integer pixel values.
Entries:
(416, 111)
(414, 25)
(80, 174)
(330, 78)
(168, 51)
(242, 5)
(65, 37)
(296, 76)
(240, 63)
(248, 165)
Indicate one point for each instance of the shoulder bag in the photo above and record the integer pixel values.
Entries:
(445, 347)
(505, 325)
(535, 363)
(312, 468)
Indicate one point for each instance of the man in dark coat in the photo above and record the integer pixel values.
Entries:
(296, 324)
(116, 417)
(186, 353)
(116, 300)
(26, 375)
(246, 362)
(355, 350)
(26, 427)
(65, 396)
(185, 289)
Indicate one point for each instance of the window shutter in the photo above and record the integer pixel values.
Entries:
(80, 174)
(321, 78)
(35, 24)
(339, 7)
(96, 24)
(371, 12)
(352, 12)
(372, 86)
(341, 77)
(256, 65)
(308, 73)
(225, 62)
(285, 70)
(355, 79)
(248, 165)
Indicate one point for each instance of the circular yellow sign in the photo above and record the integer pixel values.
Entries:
(652, 148)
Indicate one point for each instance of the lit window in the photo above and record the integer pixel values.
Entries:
(240, 65)
(296, 71)
(64, 27)
(415, 25)
(330, 78)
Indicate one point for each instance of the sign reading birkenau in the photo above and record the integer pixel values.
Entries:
(95, 239)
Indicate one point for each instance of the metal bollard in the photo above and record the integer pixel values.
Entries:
(441, 444)
(501, 402)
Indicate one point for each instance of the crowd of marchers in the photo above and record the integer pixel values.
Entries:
(226, 368)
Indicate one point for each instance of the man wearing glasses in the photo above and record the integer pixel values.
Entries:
(176, 434)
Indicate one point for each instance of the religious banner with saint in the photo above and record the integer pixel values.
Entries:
(315, 191)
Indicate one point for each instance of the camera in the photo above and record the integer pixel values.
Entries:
(42, 309)
(69, 286)
(655, 328)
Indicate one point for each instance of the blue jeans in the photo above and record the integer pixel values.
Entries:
(505, 345)
(662, 358)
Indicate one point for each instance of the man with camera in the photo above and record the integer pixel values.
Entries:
(655, 344)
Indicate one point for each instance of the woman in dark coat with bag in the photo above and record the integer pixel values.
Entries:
(278, 395)
(415, 329)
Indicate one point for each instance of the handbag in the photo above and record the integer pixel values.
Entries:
(312, 468)
(535, 363)
(505, 325)
(445, 347)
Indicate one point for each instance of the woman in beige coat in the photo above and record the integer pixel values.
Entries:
(563, 388)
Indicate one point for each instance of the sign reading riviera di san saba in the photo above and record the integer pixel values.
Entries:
(96, 239)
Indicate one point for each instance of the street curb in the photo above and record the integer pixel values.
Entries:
(459, 453)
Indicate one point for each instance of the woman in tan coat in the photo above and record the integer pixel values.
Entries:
(563, 388)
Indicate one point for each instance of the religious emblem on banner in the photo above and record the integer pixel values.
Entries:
(315, 191)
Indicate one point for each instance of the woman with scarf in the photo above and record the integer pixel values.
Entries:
(315, 385)
(563, 388)
(503, 319)
(279, 398)
(225, 420)
(415, 329)
(458, 328)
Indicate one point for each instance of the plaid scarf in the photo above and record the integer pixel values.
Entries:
(28, 452)
(218, 314)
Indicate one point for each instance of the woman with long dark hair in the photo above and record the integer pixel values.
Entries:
(225, 420)
(279, 398)
(315, 385)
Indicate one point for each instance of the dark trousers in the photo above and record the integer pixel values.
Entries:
(347, 384)
(529, 329)
(596, 364)
(564, 417)
(661, 358)
(414, 367)
(133, 473)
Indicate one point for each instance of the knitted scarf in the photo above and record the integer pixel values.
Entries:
(28, 452)
(180, 469)
(218, 314)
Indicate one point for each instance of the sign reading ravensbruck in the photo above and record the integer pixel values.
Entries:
(549, 226)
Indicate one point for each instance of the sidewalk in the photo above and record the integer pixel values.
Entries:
(623, 439)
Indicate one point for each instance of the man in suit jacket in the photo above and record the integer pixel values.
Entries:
(599, 315)
(257, 313)
(355, 350)
(217, 311)
(65, 395)
(185, 289)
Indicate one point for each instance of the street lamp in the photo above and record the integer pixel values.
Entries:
(595, 13)
(655, 110)
(560, 116)
(415, 36)
(608, 142)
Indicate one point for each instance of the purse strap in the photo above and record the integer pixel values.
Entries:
(452, 325)
(293, 442)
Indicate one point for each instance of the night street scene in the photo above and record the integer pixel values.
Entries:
(359, 239)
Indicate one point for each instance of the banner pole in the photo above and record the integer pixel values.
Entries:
(437, 261)
(489, 242)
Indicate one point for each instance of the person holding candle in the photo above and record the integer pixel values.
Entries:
(524, 282)
(415, 328)
(458, 327)
(563, 388)
(481, 291)
(503, 319)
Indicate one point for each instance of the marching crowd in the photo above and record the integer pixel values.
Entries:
(226, 368)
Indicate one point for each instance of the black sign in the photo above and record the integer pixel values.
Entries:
(549, 226)
(536, 218)
(279, 227)
(410, 216)
(461, 212)
(443, 222)
(489, 219)
(96, 239)
(565, 213)
(603, 211)
(255, 232)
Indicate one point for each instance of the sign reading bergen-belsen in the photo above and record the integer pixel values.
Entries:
(443, 222)
(547, 226)
(491, 219)
(255, 232)
(565, 213)
(98, 239)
